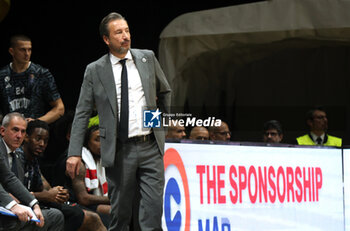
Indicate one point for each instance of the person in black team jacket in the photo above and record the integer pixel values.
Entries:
(26, 87)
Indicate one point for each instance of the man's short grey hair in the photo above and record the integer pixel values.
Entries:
(7, 118)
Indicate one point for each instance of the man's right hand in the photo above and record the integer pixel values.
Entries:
(62, 194)
(21, 212)
(73, 166)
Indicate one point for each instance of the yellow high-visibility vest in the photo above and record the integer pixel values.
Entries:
(330, 140)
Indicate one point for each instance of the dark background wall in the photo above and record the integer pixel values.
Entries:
(65, 33)
(65, 39)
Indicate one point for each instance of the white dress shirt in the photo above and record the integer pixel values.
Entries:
(137, 100)
(314, 137)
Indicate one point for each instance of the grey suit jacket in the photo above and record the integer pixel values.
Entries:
(10, 183)
(19, 164)
(98, 88)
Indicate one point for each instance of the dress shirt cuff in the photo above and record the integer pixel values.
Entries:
(35, 201)
(10, 205)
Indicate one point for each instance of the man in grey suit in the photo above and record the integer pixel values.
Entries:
(13, 130)
(132, 155)
(54, 219)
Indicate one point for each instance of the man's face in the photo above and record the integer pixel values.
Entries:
(177, 132)
(37, 141)
(199, 133)
(221, 133)
(21, 52)
(94, 144)
(319, 121)
(118, 40)
(272, 136)
(14, 133)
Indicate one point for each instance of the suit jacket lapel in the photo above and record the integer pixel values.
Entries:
(106, 76)
(3, 151)
(141, 62)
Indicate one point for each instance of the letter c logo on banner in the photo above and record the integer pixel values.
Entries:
(172, 157)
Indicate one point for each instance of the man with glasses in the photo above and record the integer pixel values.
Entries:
(317, 120)
(273, 132)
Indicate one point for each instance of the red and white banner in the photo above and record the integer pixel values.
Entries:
(231, 188)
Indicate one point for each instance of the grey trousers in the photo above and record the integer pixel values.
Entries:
(138, 174)
(54, 221)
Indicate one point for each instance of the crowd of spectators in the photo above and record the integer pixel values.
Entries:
(272, 132)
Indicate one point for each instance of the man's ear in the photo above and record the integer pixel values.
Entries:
(11, 51)
(2, 130)
(106, 39)
(26, 138)
(309, 123)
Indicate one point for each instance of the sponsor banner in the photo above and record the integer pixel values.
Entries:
(346, 156)
(228, 187)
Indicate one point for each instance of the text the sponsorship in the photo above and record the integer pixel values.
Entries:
(264, 184)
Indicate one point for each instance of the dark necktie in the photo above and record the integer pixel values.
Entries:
(319, 140)
(14, 163)
(124, 107)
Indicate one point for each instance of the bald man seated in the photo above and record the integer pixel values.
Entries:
(199, 133)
